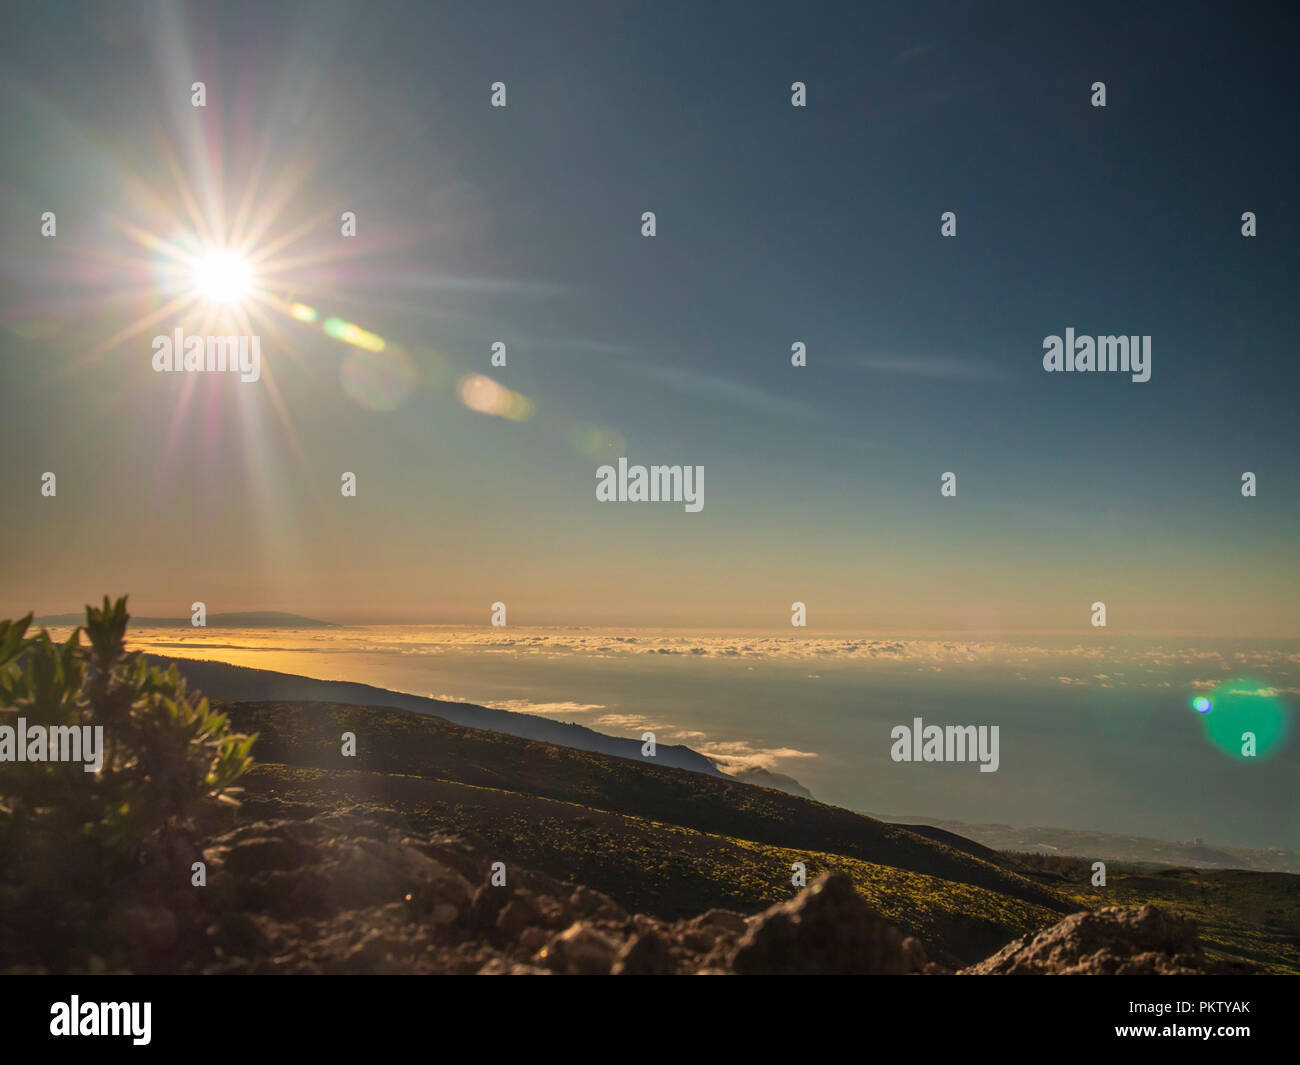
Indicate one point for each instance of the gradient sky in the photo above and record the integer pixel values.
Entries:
(776, 224)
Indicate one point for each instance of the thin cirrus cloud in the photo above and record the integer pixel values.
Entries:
(736, 393)
(926, 366)
(695, 384)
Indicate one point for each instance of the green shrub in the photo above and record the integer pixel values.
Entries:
(166, 752)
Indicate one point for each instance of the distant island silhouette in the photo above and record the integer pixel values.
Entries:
(252, 619)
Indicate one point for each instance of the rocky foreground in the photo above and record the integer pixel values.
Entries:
(336, 893)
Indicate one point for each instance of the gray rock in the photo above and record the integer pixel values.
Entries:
(828, 928)
(645, 954)
(1142, 941)
(579, 949)
(517, 914)
(262, 854)
(595, 905)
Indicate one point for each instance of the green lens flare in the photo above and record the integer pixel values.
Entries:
(1246, 711)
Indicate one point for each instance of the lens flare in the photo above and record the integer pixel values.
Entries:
(378, 380)
(1249, 721)
(353, 334)
(595, 441)
(1202, 705)
(482, 394)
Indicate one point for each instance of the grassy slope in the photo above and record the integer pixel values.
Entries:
(1241, 913)
(674, 843)
(654, 866)
(399, 742)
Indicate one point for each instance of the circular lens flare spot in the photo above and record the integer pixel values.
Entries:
(1249, 721)
(378, 380)
(1202, 705)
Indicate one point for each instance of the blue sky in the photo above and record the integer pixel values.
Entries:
(775, 224)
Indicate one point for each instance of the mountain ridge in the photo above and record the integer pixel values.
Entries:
(220, 680)
(1109, 846)
(250, 619)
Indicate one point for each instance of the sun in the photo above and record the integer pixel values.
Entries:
(223, 277)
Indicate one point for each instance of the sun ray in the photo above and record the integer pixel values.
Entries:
(152, 241)
(198, 220)
(167, 310)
